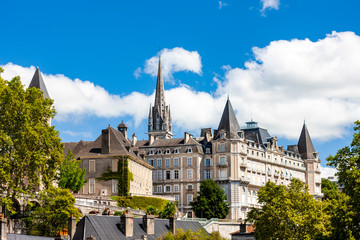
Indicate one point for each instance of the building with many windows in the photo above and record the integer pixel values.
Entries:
(240, 160)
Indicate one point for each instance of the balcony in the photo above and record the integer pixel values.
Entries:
(222, 165)
(243, 165)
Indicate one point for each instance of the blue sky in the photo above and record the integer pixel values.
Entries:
(281, 61)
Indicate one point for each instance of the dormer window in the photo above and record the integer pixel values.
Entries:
(151, 152)
(207, 150)
(176, 150)
(158, 151)
(222, 135)
(189, 150)
(167, 151)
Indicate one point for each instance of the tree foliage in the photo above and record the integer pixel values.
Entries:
(211, 201)
(192, 235)
(71, 176)
(329, 189)
(30, 149)
(168, 211)
(123, 175)
(55, 207)
(347, 162)
(289, 213)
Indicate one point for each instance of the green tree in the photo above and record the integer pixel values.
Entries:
(347, 162)
(168, 211)
(192, 235)
(30, 149)
(123, 175)
(71, 176)
(329, 189)
(55, 207)
(289, 213)
(211, 201)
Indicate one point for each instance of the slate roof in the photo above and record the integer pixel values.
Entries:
(305, 145)
(258, 135)
(12, 236)
(172, 142)
(108, 227)
(38, 82)
(229, 123)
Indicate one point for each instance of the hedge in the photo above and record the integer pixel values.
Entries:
(137, 202)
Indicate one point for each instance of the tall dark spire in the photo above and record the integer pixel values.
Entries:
(228, 122)
(38, 82)
(305, 145)
(159, 117)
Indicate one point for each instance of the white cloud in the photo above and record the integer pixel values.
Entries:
(222, 4)
(270, 4)
(288, 81)
(300, 79)
(77, 98)
(327, 172)
(174, 60)
(137, 72)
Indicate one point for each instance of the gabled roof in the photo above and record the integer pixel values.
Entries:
(107, 227)
(38, 82)
(229, 123)
(119, 145)
(305, 145)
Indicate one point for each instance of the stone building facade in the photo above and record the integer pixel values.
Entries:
(240, 160)
(102, 154)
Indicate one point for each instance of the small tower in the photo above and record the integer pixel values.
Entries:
(312, 162)
(159, 124)
(123, 129)
(228, 126)
(38, 82)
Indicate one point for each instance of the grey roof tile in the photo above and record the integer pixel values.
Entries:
(38, 82)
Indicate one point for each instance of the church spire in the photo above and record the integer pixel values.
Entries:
(38, 82)
(305, 145)
(159, 117)
(160, 94)
(228, 122)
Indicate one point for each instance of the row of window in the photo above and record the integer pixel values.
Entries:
(114, 186)
(171, 174)
(159, 162)
(189, 197)
(168, 151)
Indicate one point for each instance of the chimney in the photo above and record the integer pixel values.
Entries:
(172, 225)
(134, 139)
(243, 228)
(186, 137)
(91, 237)
(127, 224)
(151, 139)
(149, 223)
(105, 141)
(3, 227)
(71, 226)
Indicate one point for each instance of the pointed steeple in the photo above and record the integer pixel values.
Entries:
(305, 145)
(160, 93)
(159, 124)
(38, 82)
(229, 123)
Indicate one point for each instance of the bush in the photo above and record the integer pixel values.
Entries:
(143, 203)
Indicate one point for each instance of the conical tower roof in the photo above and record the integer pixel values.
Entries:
(160, 93)
(305, 145)
(38, 82)
(229, 123)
